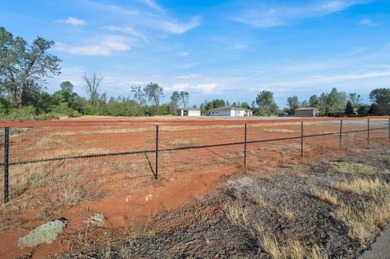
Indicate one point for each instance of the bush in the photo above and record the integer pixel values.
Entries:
(62, 109)
(75, 114)
(25, 113)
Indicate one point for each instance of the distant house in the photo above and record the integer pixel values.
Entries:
(229, 111)
(306, 112)
(190, 112)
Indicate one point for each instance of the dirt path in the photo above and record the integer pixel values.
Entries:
(380, 248)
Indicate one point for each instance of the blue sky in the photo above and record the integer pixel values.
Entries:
(213, 49)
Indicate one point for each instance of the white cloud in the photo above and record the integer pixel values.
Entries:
(367, 22)
(153, 4)
(277, 13)
(175, 27)
(190, 65)
(127, 29)
(156, 19)
(73, 21)
(207, 88)
(101, 46)
(239, 46)
(185, 53)
(189, 76)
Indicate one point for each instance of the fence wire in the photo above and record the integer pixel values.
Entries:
(38, 155)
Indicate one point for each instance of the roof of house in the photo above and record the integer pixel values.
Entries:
(305, 109)
(227, 108)
(189, 109)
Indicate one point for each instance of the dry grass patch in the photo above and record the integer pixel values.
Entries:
(236, 213)
(182, 143)
(28, 176)
(364, 222)
(325, 196)
(363, 186)
(286, 213)
(353, 168)
(260, 201)
(292, 249)
(279, 130)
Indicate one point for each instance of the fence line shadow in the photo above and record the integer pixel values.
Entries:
(150, 164)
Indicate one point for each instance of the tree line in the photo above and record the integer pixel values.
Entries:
(24, 68)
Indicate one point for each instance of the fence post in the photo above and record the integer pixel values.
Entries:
(245, 139)
(301, 138)
(368, 131)
(341, 132)
(389, 129)
(156, 173)
(6, 164)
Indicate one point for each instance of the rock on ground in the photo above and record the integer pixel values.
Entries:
(46, 233)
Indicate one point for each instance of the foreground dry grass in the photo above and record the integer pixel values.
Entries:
(374, 211)
(357, 194)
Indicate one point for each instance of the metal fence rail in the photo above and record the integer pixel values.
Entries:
(163, 143)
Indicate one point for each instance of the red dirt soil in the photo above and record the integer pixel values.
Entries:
(130, 192)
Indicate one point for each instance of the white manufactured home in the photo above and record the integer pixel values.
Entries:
(190, 112)
(229, 111)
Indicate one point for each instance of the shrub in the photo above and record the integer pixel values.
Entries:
(75, 114)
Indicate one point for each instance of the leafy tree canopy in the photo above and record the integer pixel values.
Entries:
(23, 66)
(266, 102)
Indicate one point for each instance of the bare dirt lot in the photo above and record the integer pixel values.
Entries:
(204, 202)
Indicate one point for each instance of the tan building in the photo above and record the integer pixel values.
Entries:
(306, 112)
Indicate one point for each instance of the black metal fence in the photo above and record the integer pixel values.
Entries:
(241, 140)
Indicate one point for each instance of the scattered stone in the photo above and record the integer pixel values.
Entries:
(97, 220)
(46, 233)
(149, 197)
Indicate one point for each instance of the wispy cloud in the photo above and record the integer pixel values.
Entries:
(184, 53)
(105, 45)
(128, 30)
(73, 21)
(204, 88)
(153, 4)
(187, 76)
(151, 19)
(239, 46)
(265, 14)
(175, 27)
(367, 22)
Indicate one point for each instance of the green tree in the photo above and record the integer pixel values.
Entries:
(67, 92)
(139, 95)
(380, 98)
(215, 104)
(355, 99)
(349, 108)
(333, 103)
(22, 66)
(313, 101)
(174, 104)
(184, 98)
(245, 105)
(293, 103)
(154, 93)
(363, 110)
(266, 102)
